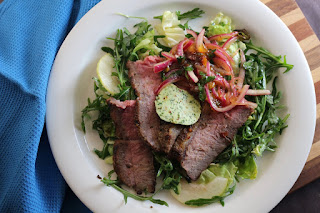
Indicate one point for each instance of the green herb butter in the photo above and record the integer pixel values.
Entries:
(177, 106)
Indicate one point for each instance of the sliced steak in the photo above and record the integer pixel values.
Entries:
(197, 146)
(145, 82)
(123, 115)
(133, 163)
(167, 135)
(132, 157)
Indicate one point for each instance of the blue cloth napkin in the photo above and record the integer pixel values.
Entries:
(31, 32)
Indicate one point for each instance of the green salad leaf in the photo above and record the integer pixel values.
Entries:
(103, 124)
(170, 28)
(226, 171)
(272, 63)
(221, 24)
(171, 176)
(214, 199)
(192, 14)
(147, 45)
(116, 185)
(131, 46)
(247, 169)
(258, 133)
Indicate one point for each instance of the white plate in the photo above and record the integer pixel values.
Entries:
(71, 83)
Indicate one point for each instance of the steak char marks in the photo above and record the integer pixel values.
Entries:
(145, 82)
(122, 113)
(168, 134)
(198, 145)
(133, 163)
(132, 157)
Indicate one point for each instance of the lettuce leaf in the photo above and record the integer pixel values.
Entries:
(233, 51)
(146, 45)
(227, 170)
(169, 27)
(219, 25)
(247, 169)
(214, 184)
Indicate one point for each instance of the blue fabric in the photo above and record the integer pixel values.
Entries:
(31, 32)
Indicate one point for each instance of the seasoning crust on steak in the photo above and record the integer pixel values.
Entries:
(132, 157)
(198, 145)
(145, 82)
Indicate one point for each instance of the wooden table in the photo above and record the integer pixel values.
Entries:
(292, 16)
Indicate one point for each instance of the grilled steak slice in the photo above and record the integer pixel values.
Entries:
(145, 82)
(197, 146)
(122, 113)
(167, 135)
(132, 157)
(133, 163)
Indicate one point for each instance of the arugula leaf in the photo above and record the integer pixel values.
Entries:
(171, 177)
(104, 152)
(128, 46)
(108, 50)
(273, 62)
(103, 123)
(185, 26)
(171, 180)
(214, 199)
(116, 185)
(192, 14)
(258, 133)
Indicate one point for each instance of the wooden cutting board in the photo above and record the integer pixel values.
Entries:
(292, 16)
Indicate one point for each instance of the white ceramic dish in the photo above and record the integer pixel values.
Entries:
(71, 83)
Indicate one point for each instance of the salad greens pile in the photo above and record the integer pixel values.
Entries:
(238, 161)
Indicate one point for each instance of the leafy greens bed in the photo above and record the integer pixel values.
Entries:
(237, 161)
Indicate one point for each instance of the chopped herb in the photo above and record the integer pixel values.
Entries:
(180, 59)
(202, 92)
(227, 77)
(203, 81)
(188, 68)
(211, 55)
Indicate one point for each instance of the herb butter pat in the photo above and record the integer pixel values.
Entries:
(177, 106)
